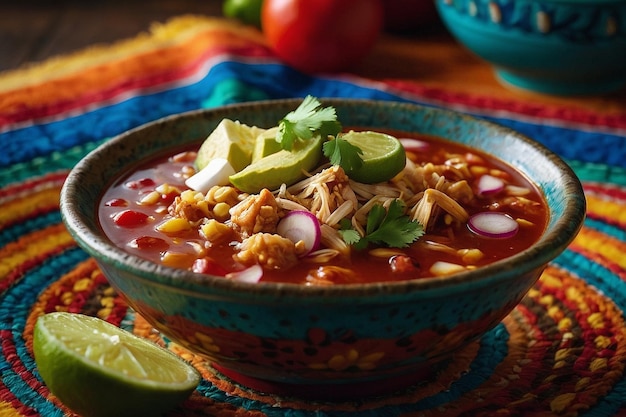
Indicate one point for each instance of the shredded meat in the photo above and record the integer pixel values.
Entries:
(190, 206)
(460, 191)
(269, 250)
(330, 275)
(257, 213)
(323, 193)
(425, 210)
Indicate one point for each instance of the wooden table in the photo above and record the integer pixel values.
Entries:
(32, 31)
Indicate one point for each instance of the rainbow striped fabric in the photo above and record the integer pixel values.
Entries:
(561, 352)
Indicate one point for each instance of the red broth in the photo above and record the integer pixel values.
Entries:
(447, 245)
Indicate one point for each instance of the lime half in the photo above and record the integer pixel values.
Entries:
(383, 156)
(98, 369)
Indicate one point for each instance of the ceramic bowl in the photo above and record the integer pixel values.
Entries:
(322, 341)
(562, 47)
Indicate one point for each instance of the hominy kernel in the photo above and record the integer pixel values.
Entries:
(221, 211)
(190, 196)
(497, 173)
(222, 194)
(174, 259)
(166, 188)
(477, 170)
(174, 225)
(384, 252)
(214, 230)
(471, 256)
(150, 199)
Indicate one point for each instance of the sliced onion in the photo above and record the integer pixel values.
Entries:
(413, 145)
(493, 224)
(301, 225)
(216, 172)
(251, 275)
(488, 185)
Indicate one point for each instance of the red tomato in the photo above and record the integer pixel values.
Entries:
(130, 218)
(322, 35)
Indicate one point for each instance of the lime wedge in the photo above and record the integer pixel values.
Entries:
(97, 369)
(230, 140)
(383, 156)
(280, 167)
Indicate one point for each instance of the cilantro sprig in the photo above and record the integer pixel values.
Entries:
(310, 119)
(391, 228)
(307, 120)
(341, 152)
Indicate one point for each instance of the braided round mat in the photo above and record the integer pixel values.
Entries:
(562, 351)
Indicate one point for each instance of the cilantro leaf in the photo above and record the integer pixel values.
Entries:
(391, 228)
(375, 218)
(308, 119)
(395, 230)
(341, 152)
(350, 236)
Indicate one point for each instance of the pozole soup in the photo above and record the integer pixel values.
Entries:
(447, 208)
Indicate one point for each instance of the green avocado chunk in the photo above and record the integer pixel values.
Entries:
(284, 166)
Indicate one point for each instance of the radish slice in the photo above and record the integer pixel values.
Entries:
(488, 185)
(251, 275)
(301, 225)
(413, 145)
(493, 224)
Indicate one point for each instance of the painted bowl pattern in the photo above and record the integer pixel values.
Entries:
(294, 335)
(552, 46)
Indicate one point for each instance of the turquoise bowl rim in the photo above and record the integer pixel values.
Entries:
(563, 230)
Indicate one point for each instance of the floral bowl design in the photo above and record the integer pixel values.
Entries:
(563, 47)
(323, 341)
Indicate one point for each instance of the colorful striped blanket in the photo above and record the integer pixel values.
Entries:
(561, 352)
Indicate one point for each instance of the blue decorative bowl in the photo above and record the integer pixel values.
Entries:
(563, 47)
(332, 341)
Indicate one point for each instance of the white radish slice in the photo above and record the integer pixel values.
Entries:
(488, 185)
(413, 145)
(493, 224)
(216, 172)
(251, 275)
(301, 225)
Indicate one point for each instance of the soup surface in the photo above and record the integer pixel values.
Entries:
(470, 209)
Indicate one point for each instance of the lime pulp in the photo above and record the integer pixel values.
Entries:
(383, 156)
(97, 369)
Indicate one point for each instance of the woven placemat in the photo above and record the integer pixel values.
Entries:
(562, 351)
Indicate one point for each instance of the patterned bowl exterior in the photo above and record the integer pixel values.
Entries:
(293, 334)
(553, 46)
